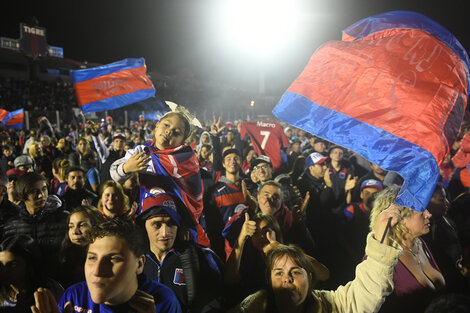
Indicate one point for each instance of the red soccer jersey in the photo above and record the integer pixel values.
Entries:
(268, 138)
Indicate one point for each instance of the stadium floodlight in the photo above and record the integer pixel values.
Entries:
(258, 26)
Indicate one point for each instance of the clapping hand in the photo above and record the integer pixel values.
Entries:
(45, 303)
(300, 207)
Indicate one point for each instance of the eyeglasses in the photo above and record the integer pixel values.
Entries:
(262, 167)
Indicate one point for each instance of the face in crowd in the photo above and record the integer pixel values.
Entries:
(269, 199)
(169, 132)
(418, 223)
(232, 163)
(111, 201)
(36, 196)
(79, 228)
(368, 196)
(75, 180)
(205, 153)
(319, 146)
(162, 231)
(111, 270)
(263, 171)
(118, 144)
(290, 282)
(318, 170)
(259, 238)
(438, 205)
(336, 154)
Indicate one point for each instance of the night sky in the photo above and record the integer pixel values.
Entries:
(181, 36)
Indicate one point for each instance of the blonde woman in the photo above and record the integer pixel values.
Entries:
(416, 276)
(59, 170)
(42, 161)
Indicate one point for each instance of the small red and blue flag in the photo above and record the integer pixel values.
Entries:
(112, 86)
(394, 90)
(13, 119)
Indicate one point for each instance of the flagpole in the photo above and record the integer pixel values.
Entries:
(389, 223)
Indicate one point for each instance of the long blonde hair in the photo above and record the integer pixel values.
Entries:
(35, 150)
(383, 200)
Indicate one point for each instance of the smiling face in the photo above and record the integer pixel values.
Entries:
(111, 270)
(79, 228)
(169, 132)
(290, 282)
(111, 201)
(161, 231)
(232, 163)
(417, 223)
(263, 171)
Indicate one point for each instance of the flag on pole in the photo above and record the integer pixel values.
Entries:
(112, 86)
(13, 119)
(394, 90)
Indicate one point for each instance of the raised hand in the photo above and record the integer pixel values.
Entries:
(273, 243)
(136, 163)
(45, 303)
(250, 201)
(393, 211)
(142, 302)
(216, 129)
(327, 179)
(248, 229)
(350, 183)
(93, 127)
(299, 208)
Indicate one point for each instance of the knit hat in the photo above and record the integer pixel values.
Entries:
(23, 160)
(161, 203)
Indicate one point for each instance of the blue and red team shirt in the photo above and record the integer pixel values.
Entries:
(79, 295)
(268, 139)
(228, 198)
(350, 211)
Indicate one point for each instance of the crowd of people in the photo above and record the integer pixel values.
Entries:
(162, 216)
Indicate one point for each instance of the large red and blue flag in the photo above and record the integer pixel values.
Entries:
(394, 90)
(14, 119)
(176, 172)
(112, 86)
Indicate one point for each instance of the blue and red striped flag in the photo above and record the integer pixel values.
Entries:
(112, 86)
(13, 119)
(394, 90)
(177, 173)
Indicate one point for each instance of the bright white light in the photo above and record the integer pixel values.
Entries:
(257, 26)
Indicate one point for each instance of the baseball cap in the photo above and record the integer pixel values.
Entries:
(314, 158)
(23, 160)
(261, 159)
(154, 205)
(119, 135)
(14, 173)
(230, 151)
(372, 183)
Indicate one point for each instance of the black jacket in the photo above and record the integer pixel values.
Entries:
(47, 227)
